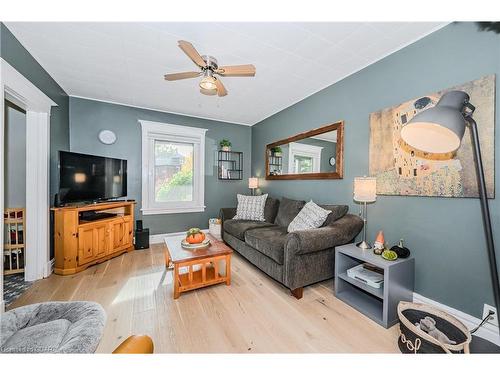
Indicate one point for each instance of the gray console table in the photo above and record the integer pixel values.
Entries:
(379, 304)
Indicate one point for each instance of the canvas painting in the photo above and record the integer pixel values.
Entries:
(401, 170)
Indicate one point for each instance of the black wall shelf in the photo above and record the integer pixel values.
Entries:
(230, 165)
(275, 164)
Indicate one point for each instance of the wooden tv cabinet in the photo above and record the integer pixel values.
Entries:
(80, 244)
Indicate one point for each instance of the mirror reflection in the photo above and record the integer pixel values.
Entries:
(315, 154)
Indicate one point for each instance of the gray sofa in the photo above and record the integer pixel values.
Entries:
(294, 259)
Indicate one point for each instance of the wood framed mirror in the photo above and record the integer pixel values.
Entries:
(313, 155)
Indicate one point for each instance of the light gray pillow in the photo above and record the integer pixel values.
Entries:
(251, 207)
(311, 216)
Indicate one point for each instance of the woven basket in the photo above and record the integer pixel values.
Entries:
(413, 340)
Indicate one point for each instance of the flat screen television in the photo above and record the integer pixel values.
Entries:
(90, 178)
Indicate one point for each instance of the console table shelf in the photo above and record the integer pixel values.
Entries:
(377, 292)
(379, 304)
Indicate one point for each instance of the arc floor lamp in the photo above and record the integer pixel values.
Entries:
(440, 129)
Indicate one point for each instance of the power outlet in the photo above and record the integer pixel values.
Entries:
(494, 318)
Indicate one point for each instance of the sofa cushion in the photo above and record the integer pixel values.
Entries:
(311, 216)
(237, 228)
(40, 338)
(250, 207)
(269, 241)
(271, 209)
(289, 208)
(338, 211)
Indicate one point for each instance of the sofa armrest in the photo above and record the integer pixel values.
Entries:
(338, 233)
(227, 213)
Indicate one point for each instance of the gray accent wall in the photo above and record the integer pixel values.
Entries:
(444, 234)
(15, 158)
(88, 117)
(16, 55)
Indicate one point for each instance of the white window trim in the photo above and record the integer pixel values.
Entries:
(152, 131)
(309, 151)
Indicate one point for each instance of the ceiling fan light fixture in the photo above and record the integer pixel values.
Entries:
(208, 81)
(208, 92)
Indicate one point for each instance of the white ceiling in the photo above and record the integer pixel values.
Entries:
(125, 62)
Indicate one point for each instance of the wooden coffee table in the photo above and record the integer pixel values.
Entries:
(202, 265)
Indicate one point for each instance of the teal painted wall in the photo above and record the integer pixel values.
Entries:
(88, 117)
(445, 234)
(16, 55)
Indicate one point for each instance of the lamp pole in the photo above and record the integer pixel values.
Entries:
(364, 244)
(483, 197)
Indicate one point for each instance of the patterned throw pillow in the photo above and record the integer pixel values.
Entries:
(250, 207)
(311, 216)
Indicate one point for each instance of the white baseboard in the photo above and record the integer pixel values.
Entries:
(488, 331)
(159, 238)
(2, 306)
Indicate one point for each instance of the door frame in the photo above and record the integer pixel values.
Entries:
(20, 91)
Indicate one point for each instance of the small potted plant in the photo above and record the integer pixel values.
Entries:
(277, 151)
(225, 145)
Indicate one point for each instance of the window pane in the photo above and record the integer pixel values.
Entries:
(303, 164)
(173, 171)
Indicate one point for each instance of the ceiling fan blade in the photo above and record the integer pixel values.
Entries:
(192, 53)
(176, 76)
(247, 70)
(221, 90)
(208, 92)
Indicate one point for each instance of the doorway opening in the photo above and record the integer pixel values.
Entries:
(14, 247)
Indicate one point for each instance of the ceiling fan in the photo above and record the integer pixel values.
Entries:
(209, 69)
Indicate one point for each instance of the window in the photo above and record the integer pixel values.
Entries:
(173, 168)
(304, 158)
(303, 164)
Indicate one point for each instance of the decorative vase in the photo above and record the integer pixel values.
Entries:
(401, 250)
(226, 148)
(278, 154)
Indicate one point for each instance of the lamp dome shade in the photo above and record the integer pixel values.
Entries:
(438, 129)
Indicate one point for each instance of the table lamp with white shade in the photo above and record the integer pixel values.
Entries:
(253, 184)
(365, 191)
(440, 129)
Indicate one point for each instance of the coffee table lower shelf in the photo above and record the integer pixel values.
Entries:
(207, 275)
(198, 280)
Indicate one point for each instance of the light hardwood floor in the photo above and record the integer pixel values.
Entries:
(254, 314)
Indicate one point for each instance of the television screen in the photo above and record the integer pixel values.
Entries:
(84, 178)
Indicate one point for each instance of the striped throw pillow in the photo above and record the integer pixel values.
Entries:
(311, 216)
(251, 207)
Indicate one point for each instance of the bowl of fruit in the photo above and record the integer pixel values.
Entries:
(195, 239)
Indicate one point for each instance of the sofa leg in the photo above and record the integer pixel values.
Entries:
(297, 293)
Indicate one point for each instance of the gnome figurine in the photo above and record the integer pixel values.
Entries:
(379, 243)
